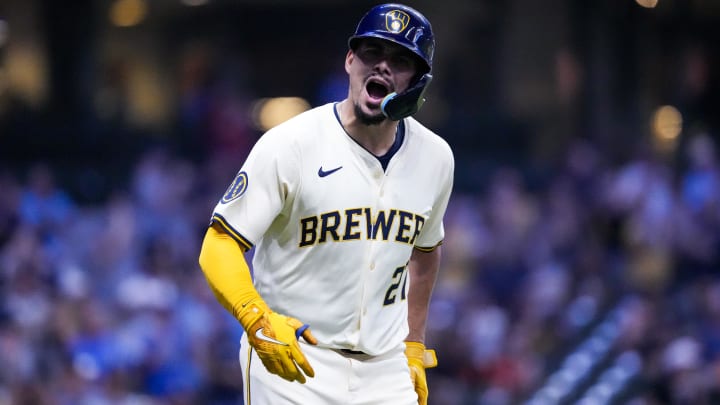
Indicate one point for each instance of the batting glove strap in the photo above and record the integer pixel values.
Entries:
(251, 312)
(416, 351)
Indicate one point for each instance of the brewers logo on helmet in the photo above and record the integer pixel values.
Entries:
(396, 21)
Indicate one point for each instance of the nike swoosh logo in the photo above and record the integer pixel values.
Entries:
(260, 335)
(323, 173)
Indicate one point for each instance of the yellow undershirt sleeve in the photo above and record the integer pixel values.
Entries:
(223, 262)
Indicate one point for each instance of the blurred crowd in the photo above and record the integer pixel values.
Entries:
(105, 303)
(530, 270)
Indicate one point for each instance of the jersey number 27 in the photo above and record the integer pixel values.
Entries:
(399, 277)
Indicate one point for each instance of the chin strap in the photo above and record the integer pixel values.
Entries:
(398, 106)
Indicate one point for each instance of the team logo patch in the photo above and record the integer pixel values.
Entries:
(396, 21)
(236, 189)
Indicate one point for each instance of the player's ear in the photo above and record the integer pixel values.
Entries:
(348, 60)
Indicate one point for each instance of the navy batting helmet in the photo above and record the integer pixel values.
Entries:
(400, 24)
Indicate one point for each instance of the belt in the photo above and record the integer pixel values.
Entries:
(354, 352)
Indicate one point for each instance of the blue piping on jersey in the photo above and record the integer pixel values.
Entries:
(239, 238)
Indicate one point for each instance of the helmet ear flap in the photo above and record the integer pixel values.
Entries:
(398, 106)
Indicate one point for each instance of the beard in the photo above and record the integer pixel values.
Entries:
(367, 119)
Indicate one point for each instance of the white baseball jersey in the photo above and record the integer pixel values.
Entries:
(333, 231)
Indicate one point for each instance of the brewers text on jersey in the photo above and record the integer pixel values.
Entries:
(348, 225)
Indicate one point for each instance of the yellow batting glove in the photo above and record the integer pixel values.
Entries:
(419, 359)
(275, 339)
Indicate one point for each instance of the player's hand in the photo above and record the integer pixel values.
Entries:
(419, 359)
(275, 339)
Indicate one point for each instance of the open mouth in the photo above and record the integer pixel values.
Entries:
(376, 89)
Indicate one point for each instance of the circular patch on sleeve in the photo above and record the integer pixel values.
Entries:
(236, 189)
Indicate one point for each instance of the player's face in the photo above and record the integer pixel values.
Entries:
(377, 68)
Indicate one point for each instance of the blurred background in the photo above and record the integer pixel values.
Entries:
(582, 240)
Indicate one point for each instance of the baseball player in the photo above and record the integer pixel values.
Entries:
(344, 206)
